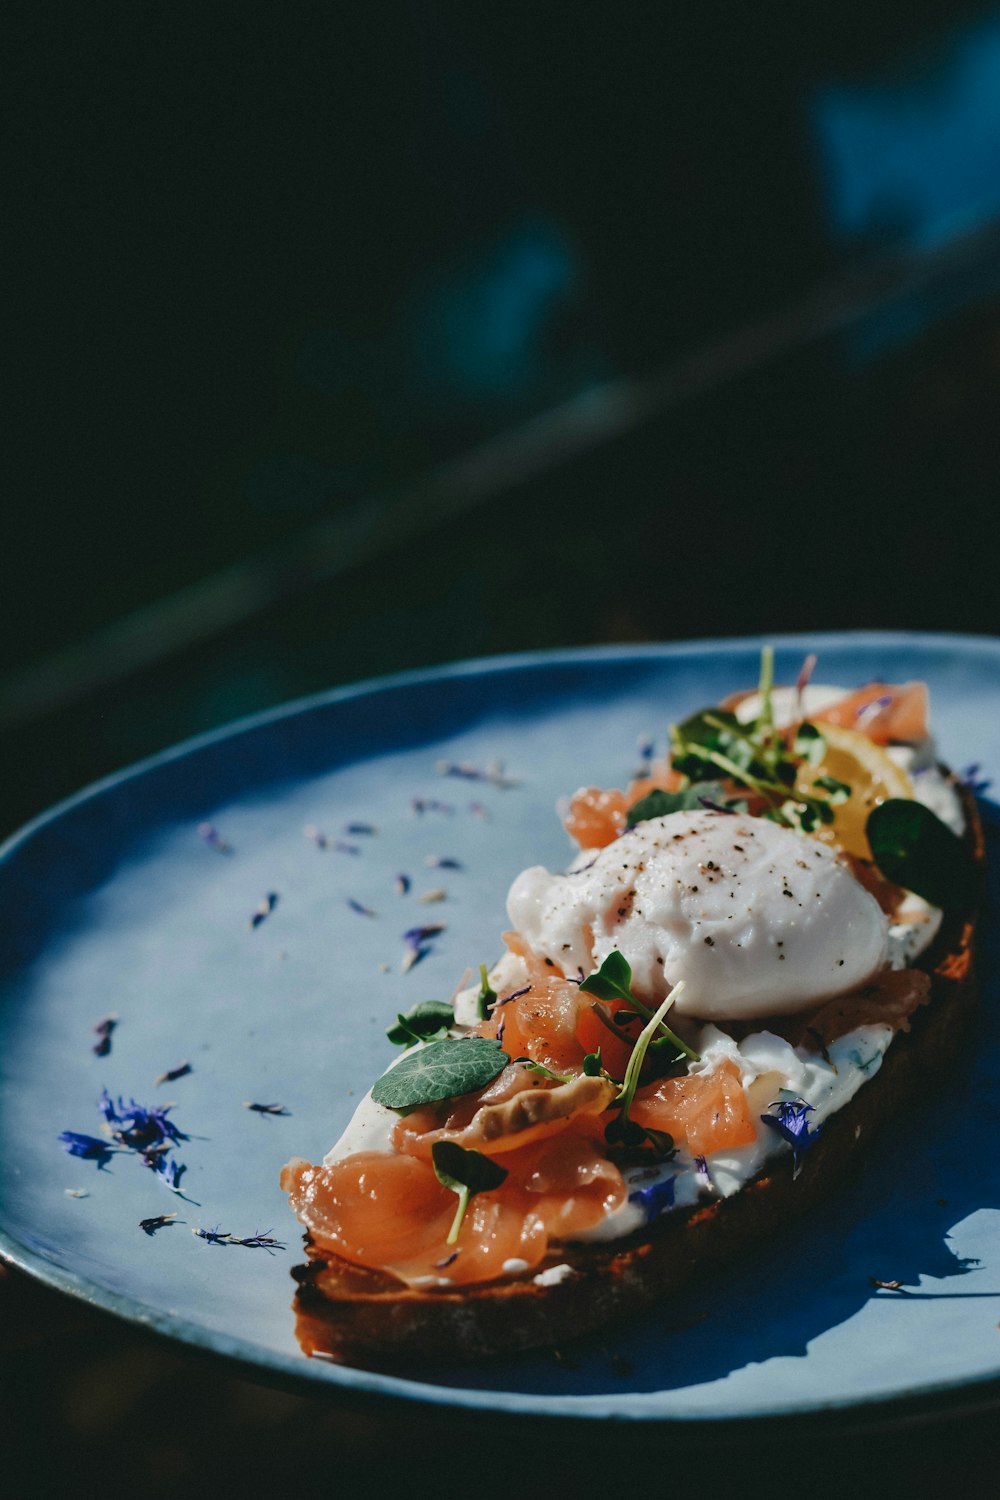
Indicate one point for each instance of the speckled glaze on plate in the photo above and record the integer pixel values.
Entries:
(115, 903)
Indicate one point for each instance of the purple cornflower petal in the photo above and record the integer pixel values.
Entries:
(212, 836)
(420, 805)
(493, 773)
(141, 1128)
(317, 835)
(416, 944)
(150, 1226)
(500, 1026)
(403, 884)
(516, 995)
(789, 1121)
(976, 783)
(213, 1236)
(645, 748)
(655, 1199)
(701, 1170)
(264, 910)
(361, 909)
(263, 1239)
(442, 862)
(802, 682)
(169, 1172)
(359, 829)
(440, 1265)
(181, 1071)
(89, 1147)
(342, 847)
(872, 710)
(103, 1031)
(478, 810)
(266, 1109)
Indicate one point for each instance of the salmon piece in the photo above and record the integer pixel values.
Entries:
(881, 711)
(703, 1112)
(595, 817)
(390, 1213)
(615, 1044)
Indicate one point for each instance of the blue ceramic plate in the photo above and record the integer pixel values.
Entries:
(117, 903)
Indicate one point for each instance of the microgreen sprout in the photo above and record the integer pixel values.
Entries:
(466, 1172)
(613, 980)
(623, 1129)
(427, 1021)
(487, 997)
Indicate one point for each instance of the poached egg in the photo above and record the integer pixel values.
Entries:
(754, 918)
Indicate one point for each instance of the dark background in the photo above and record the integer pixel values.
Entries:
(352, 339)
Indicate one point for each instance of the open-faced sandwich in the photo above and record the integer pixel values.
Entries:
(762, 949)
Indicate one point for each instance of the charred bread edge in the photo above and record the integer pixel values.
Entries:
(354, 1313)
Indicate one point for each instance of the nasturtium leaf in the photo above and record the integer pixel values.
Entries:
(440, 1070)
(912, 847)
(422, 1022)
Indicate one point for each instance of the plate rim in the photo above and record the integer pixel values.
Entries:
(314, 1376)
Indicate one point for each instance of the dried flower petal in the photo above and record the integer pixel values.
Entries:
(439, 894)
(266, 1109)
(213, 1236)
(181, 1071)
(88, 1147)
(655, 1199)
(150, 1226)
(264, 910)
(442, 862)
(103, 1031)
(789, 1121)
(358, 829)
(360, 908)
(317, 835)
(403, 884)
(211, 835)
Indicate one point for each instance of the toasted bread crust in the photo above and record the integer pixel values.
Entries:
(366, 1317)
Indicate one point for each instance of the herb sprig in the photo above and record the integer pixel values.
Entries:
(466, 1172)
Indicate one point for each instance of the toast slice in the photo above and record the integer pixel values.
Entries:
(363, 1316)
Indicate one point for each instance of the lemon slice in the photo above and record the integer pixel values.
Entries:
(868, 770)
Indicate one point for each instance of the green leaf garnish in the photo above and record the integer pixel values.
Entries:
(537, 1067)
(487, 997)
(613, 981)
(426, 1021)
(592, 1065)
(659, 804)
(624, 1129)
(440, 1071)
(809, 744)
(912, 847)
(466, 1172)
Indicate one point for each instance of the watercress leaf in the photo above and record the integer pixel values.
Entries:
(809, 744)
(839, 791)
(440, 1070)
(659, 804)
(912, 847)
(426, 1019)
